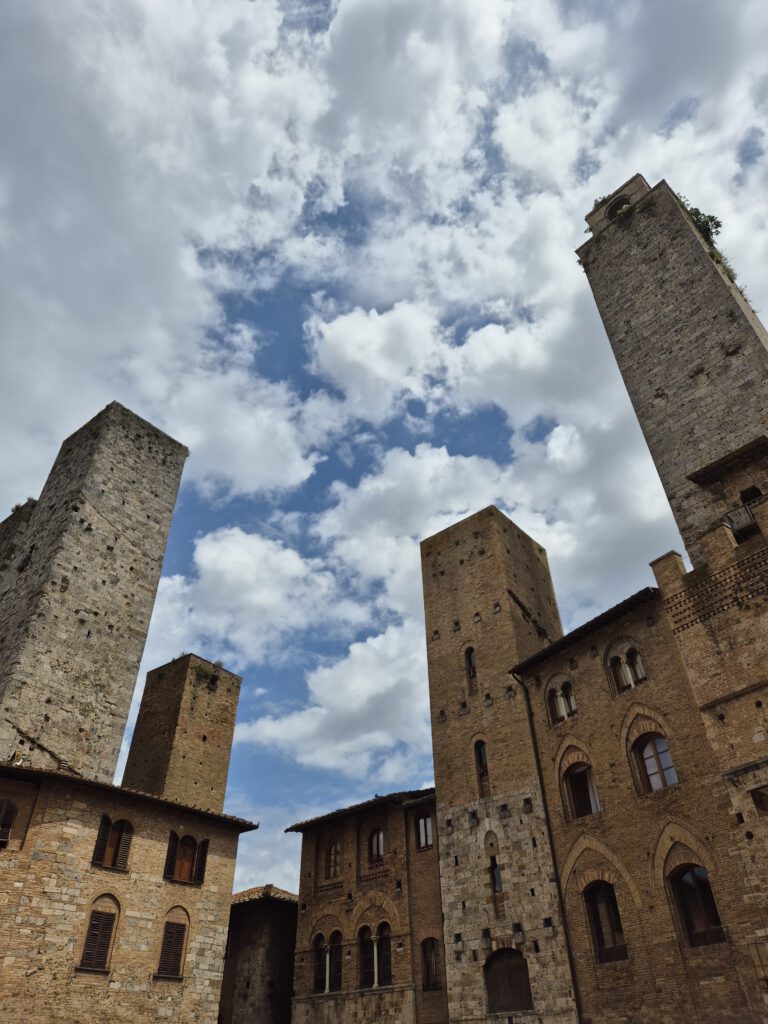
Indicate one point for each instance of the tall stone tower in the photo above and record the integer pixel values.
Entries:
(183, 737)
(78, 574)
(694, 357)
(489, 604)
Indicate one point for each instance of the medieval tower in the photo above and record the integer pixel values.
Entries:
(79, 570)
(489, 602)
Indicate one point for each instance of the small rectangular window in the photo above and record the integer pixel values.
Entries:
(424, 830)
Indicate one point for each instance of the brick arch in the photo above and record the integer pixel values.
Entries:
(569, 744)
(373, 909)
(587, 843)
(590, 875)
(677, 845)
(325, 925)
(640, 719)
(619, 645)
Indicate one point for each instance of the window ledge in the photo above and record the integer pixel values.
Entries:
(425, 849)
(104, 971)
(181, 881)
(111, 867)
(168, 977)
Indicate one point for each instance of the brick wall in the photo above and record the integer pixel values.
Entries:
(182, 741)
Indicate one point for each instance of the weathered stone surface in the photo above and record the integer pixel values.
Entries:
(78, 575)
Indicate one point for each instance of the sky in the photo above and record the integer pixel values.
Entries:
(329, 245)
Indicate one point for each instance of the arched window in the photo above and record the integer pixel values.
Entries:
(376, 847)
(625, 666)
(430, 965)
(173, 947)
(635, 666)
(750, 494)
(334, 962)
(319, 958)
(696, 905)
(582, 794)
(506, 982)
(186, 859)
(470, 666)
(384, 953)
(622, 203)
(113, 843)
(8, 812)
(654, 762)
(333, 860)
(481, 765)
(605, 922)
(366, 957)
(100, 934)
(568, 699)
(556, 713)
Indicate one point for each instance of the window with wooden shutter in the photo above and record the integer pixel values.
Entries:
(102, 838)
(97, 946)
(170, 857)
(124, 844)
(200, 862)
(172, 950)
(7, 817)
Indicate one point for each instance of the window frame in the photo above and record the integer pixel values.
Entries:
(480, 754)
(198, 863)
(704, 898)
(606, 925)
(424, 832)
(376, 848)
(573, 799)
(113, 844)
(665, 774)
(430, 965)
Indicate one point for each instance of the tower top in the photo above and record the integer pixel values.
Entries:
(693, 355)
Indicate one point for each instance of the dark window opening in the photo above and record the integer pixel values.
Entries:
(605, 922)
(696, 904)
(384, 954)
(495, 873)
(750, 494)
(365, 940)
(318, 947)
(333, 861)
(582, 794)
(376, 847)
(481, 765)
(334, 963)
(8, 814)
(430, 965)
(470, 666)
(622, 203)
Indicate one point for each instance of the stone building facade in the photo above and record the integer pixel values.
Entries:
(602, 797)
(114, 900)
(258, 969)
(369, 935)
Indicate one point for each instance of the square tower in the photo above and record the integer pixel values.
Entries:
(489, 603)
(79, 570)
(692, 352)
(183, 737)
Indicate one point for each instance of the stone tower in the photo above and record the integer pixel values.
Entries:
(183, 737)
(693, 355)
(489, 604)
(79, 570)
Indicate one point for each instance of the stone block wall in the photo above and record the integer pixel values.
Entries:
(78, 577)
(50, 885)
(487, 587)
(258, 971)
(692, 352)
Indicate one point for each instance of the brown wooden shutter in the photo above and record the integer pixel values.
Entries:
(170, 857)
(201, 861)
(172, 949)
(124, 846)
(7, 817)
(102, 838)
(97, 940)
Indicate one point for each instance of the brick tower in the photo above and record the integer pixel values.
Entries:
(489, 603)
(79, 570)
(694, 357)
(183, 737)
